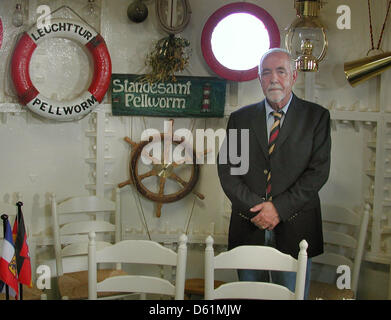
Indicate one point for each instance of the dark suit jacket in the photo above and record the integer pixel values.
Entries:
(300, 165)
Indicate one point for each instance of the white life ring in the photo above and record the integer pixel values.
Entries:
(64, 110)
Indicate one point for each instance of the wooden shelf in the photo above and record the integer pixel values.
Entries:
(370, 172)
(378, 257)
(355, 115)
(386, 230)
(108, 133)
(106, 160)
(11, 107)
(106, 186)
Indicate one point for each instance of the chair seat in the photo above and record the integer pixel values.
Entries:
(327, 291)
(197, 286)
(74, 285)
(28, 294)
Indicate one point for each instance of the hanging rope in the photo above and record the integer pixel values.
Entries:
(190, 216)
(383, 27)
(140, 206)
(370, 24)
(384, 24)
(194, 197)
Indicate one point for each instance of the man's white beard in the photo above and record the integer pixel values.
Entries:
(275, 96)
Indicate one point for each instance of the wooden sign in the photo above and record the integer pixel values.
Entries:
(186, 97)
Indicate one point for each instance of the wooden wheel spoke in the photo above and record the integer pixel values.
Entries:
(186, 160)
(159, 209)
(161, 185)
(167, 155)
(153, 159)
(125, 183)
(131, 142)
(202, 154)
(147, 174)
(178, 163)
(175, 177)
(167, 146)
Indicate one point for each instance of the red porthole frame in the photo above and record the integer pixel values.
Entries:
(212, 22)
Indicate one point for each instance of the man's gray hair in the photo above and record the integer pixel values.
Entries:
(274, 50)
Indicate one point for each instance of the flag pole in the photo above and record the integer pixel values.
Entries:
(19, 204)
(5, 218)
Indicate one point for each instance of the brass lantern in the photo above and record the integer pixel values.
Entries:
(306, 38)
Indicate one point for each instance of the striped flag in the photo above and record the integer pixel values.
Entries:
(21, 248)
(8, 270)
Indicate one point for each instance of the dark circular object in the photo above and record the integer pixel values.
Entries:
(137, 11)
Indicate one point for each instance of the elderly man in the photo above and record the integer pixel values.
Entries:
(276, 201)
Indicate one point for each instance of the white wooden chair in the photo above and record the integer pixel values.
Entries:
(344, 233)
(140, 252)
(11, 210)
(72, 220)
(254, 257)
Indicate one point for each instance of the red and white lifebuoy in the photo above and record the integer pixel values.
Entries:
(61, 110)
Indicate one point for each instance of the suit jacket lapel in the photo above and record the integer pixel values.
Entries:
(259, 127)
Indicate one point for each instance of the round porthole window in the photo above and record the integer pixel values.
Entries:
(234, 39)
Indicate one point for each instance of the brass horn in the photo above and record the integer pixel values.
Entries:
(366, 68)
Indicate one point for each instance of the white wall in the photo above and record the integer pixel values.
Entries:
(39, 157)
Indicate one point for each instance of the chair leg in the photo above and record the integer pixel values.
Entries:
(389, 284)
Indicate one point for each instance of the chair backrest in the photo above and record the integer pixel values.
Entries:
(73, 219)
(142, 252)
(344, 231)
(254, 257)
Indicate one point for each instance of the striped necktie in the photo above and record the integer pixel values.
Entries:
(274, 131)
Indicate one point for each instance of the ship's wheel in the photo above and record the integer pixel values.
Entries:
(145, 170)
